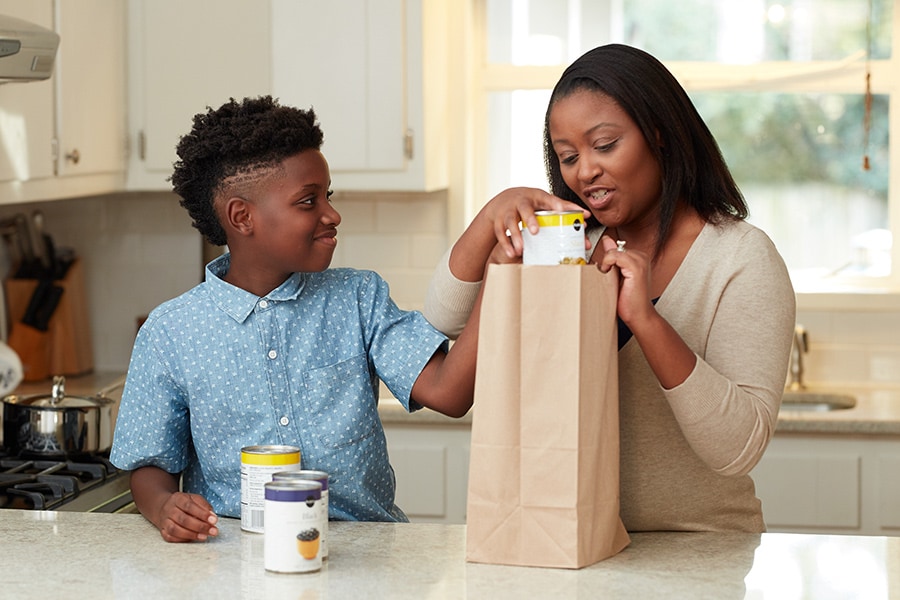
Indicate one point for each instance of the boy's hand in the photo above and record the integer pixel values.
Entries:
(179, 516)
(186, 518)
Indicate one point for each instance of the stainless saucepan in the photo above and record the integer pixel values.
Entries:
(57, 425)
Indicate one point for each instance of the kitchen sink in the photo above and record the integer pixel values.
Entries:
(808, 401)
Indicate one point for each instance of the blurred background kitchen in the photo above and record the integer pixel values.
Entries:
(431, 106)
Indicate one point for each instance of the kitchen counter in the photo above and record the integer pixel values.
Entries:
(86, 555)
(76, 385)
(877, 412)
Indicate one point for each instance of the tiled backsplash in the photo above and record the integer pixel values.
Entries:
(139, 249)
(852, 348)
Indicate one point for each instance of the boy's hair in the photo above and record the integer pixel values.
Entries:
(230, 148)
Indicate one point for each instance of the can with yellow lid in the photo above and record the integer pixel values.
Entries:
(559, 241)
(258, 463)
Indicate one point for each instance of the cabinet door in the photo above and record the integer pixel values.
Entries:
(431, 466)
(91, 87)
(188, 55)
(375, 71)
(350, 69)
(26, 110)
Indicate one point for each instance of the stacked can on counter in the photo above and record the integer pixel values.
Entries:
(293, 536)
(559, 241)
(258, 464)
(320, 477)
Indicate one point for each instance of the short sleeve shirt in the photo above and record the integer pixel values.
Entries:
(219, 369)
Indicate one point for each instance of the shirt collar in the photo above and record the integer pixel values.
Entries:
(239, 303)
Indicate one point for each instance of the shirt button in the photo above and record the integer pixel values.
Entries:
(263, 303)
(284, 421)
(272, 354)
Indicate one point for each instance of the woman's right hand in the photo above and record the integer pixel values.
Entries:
(517, 205)
(493, 236)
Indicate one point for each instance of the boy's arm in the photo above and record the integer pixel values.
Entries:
(180, 517)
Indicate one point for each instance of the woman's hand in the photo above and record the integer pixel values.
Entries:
(517, 205)
(634, 304)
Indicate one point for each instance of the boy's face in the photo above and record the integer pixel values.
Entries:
(295, 226)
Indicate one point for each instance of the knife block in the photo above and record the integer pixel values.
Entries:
(65, 348)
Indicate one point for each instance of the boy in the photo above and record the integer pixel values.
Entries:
(273, 347)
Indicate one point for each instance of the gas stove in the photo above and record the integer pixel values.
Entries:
(87, 484)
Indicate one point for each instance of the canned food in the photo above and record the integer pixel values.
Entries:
(322, 478)
(258, 463)
(292, 541)
(559, 241)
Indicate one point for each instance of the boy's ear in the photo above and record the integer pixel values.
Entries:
(238, 216)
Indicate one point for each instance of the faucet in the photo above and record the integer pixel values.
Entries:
(799, 347)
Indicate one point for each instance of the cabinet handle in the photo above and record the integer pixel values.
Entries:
(408, 144)
(74, 156)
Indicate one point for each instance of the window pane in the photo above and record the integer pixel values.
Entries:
(798, 158)
(515, 140)
(540, 32)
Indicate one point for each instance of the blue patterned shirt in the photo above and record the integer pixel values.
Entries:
(218, 369)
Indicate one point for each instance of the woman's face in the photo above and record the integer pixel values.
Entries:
(604, 158)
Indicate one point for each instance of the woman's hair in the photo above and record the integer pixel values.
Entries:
(229, 148)
(691, 164)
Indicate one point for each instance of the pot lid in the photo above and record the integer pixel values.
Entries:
(56, 399)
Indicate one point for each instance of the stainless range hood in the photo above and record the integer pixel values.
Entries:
(27, 51)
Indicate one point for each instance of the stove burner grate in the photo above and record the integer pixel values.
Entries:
(41, 484)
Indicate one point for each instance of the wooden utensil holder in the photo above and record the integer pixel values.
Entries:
(65, 348)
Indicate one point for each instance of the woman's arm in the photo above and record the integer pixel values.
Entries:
(493, 236)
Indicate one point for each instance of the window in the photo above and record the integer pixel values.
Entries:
(782, 86)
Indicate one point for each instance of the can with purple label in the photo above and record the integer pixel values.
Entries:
(293, 539)
(322, 478)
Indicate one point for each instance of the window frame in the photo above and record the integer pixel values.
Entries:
(845, 76)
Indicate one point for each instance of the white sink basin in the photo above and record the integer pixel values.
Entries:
(808, 401)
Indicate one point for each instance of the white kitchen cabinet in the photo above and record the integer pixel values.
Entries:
(431, 464)
(375, 71)
(26, 115)
(830, 484)
(186, 55)
(65, 136)
(91, 89)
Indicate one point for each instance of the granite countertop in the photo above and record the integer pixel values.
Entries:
(105, 556)
(877, 412)
(77, 385)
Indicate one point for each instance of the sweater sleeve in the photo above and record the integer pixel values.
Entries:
(728, 407)
(449, 300)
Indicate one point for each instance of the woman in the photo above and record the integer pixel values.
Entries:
(706, 307)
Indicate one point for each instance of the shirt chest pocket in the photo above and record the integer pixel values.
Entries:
(341, 402)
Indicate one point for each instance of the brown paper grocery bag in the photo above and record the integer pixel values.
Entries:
(544, 465)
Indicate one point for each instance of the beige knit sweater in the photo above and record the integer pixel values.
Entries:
(686, 452)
